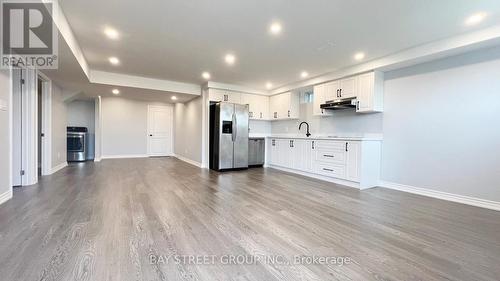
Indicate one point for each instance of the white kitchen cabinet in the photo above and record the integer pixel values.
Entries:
(348, 87)
(370, 96)
(284, 155)
(273, 154)
(284, 106)
(225, 96)
(332, 90)
(319, 98)
(258, 106)
(301, 155)
(353, 156)
(355, 163)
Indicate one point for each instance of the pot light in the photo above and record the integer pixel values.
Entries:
(230, 59)
(111, 33)
(114, 60)
(269, 85)
(115, 91)
(275, 28)
(359, 56)
(304, 74)
(475, 19)
(205, 75)
(173, 98)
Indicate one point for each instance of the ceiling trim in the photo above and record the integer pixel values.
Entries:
(235, 88)
(124, 80)
(431, 51)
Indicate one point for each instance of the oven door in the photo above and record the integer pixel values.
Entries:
(76, 142)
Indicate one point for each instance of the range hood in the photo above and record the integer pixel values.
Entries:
(340, 104)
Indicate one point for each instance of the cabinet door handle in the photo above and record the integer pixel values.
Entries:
(261, 115)
(225, 97)
(340, 92)
(330, 156)
(293, 144)
(337, 93)
(312, 144)
(273, 143)
(322, 111)
(357, 105)
(329, 170)
(288, 113)
(346, 144)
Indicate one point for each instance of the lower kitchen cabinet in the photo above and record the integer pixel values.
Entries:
(351, 161)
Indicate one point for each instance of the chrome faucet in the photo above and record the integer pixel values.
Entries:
(307, 133)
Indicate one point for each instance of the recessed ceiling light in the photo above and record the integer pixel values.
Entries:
(304, 74)
(230, 59)
(205, 75)
(115, 91)
(475, 19)
(114, 60)
(275, 28)
(111, 33)
(359, 56)
(269, 85)
(174, 98)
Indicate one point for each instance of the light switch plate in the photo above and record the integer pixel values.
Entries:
(3, 105)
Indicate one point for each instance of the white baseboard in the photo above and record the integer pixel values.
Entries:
(189, 161)
(315, 176)
(6, 196)
(97, 159)
(58, 167)
(124, 156)
(493, 205)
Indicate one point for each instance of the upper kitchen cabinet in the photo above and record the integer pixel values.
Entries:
(367, 89)
(284, 106)
(225, 96)
(341, 89)
(348, 87)
(258, 106)
(370, 92)
(320, 96)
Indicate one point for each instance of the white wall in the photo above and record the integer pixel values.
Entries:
(344, 122)
(258, 127)
(124, 127)
(59, 121)
(439, 125)
(5, 169)
(188, 129)
(81, 113)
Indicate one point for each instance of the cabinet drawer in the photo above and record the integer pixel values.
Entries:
(336, 171)
(330, 145)
(330, 156)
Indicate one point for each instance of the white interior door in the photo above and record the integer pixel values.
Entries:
(160, 122)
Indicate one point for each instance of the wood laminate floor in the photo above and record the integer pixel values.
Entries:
(116, 219)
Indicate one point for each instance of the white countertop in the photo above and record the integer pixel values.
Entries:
(366, 137)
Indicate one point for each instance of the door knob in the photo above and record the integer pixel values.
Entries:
(150, 135)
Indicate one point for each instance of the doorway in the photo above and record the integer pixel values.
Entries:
(160, 123)
(30, 120)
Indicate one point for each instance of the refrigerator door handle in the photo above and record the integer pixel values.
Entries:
(235, 128)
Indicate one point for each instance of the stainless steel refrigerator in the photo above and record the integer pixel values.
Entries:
(228, 136)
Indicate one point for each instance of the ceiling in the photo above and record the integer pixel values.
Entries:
(76, 85)
(177, 39)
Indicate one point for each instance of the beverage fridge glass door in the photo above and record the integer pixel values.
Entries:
(240, 136)
(226, 131)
